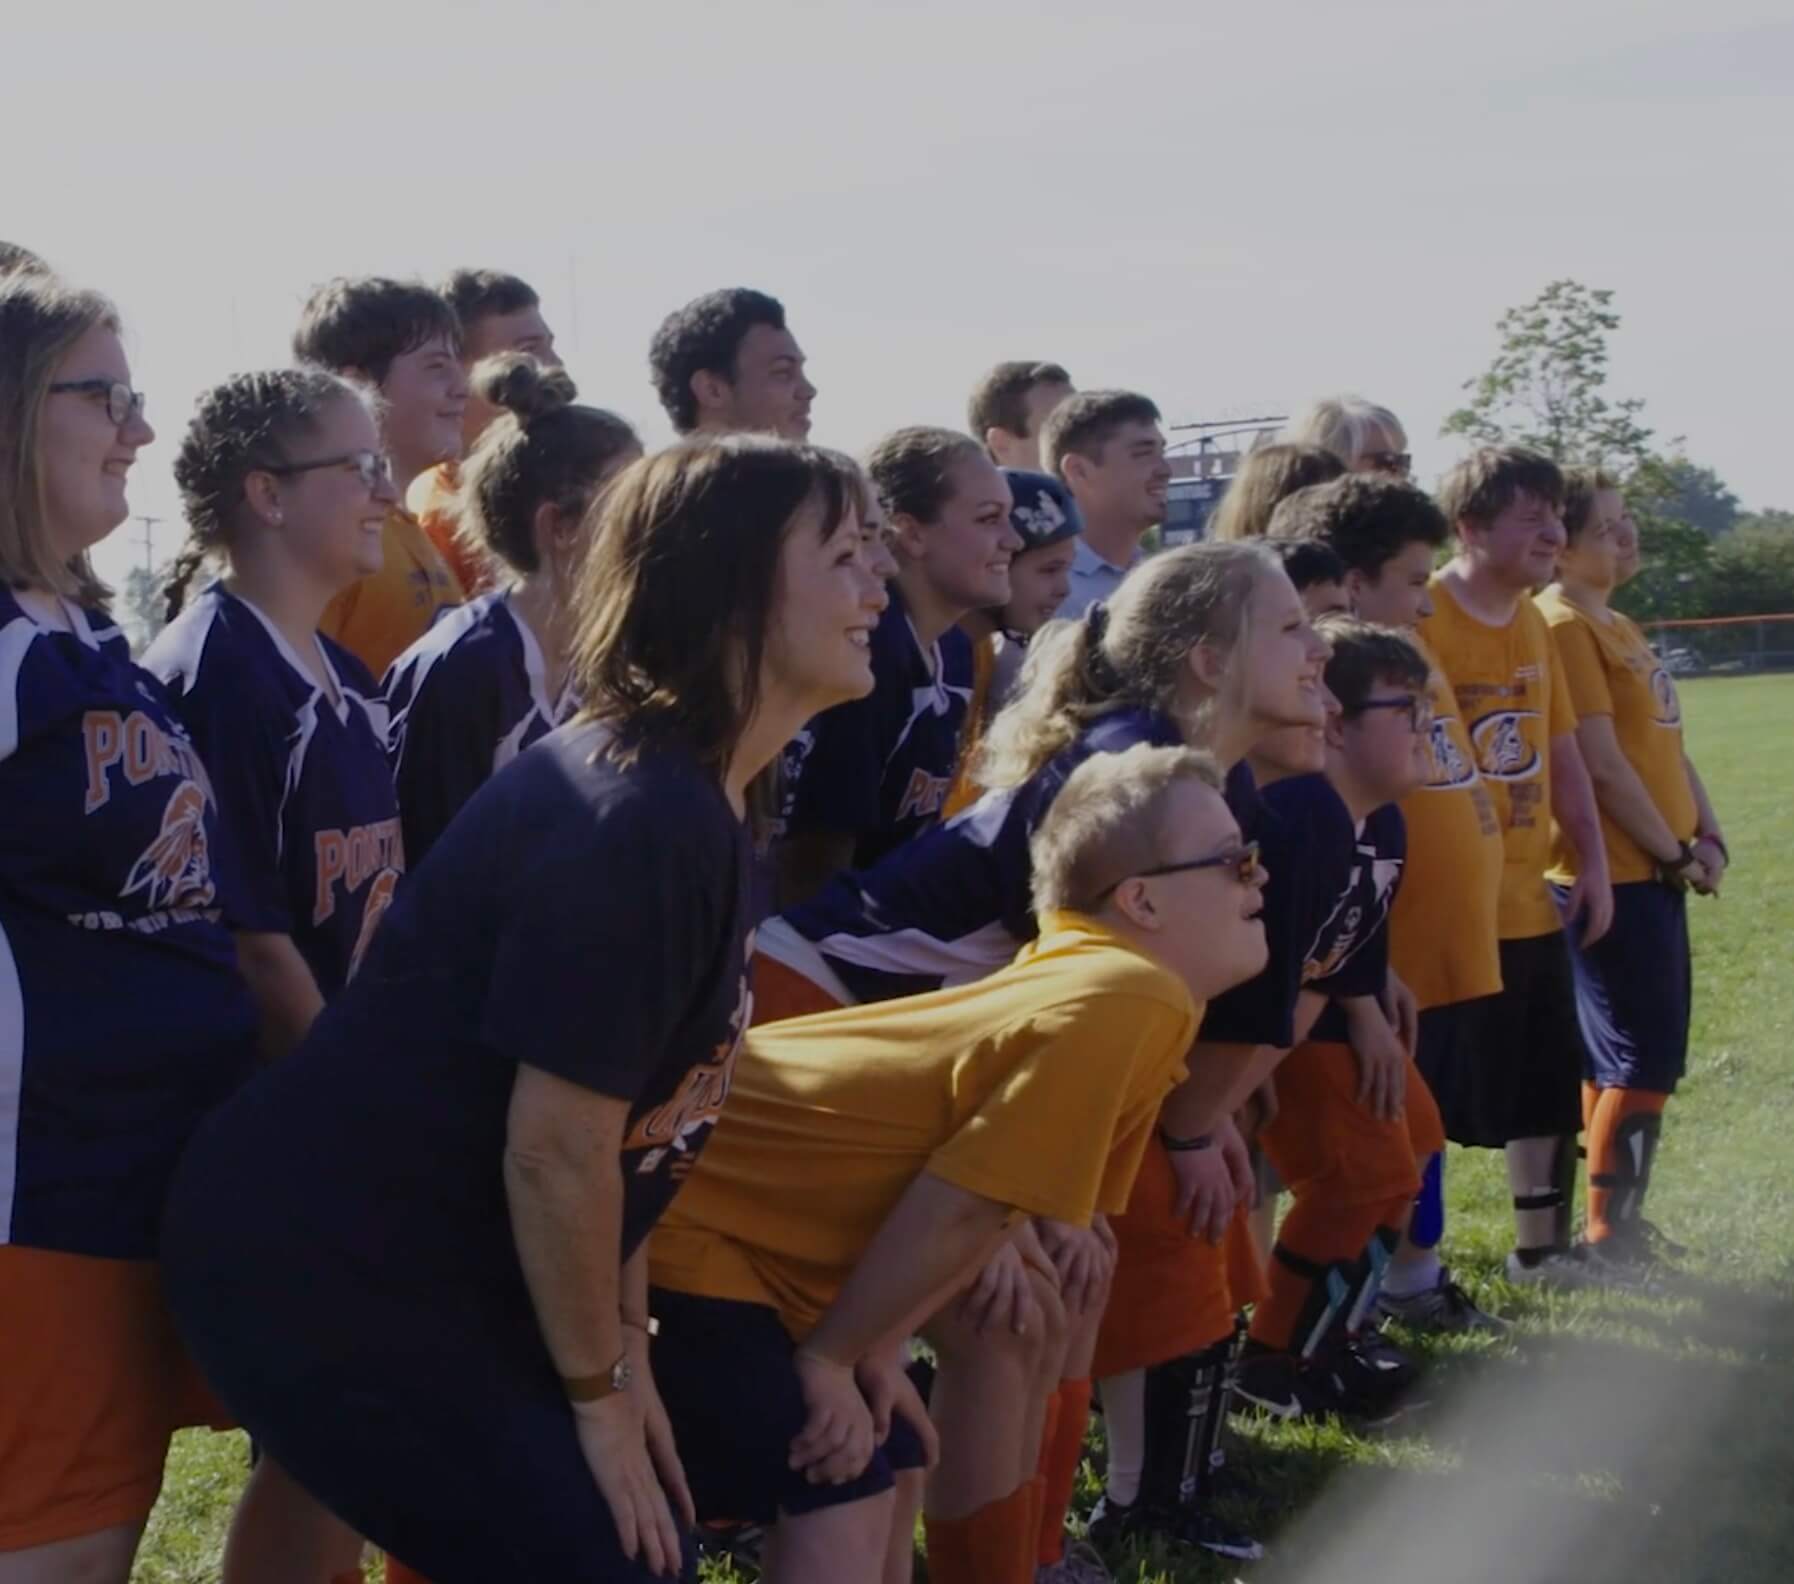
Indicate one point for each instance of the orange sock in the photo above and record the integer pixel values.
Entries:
(1315, 1235)
(994, 1545)
(1622, 1140)
(1060, 1449)
(398, 1573)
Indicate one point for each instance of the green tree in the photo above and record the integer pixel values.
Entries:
(142, 607)
(1753, 568)
(1693, 494)
(1546, 387)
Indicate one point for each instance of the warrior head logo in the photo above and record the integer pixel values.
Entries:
(1502, 751)
(175, 870)
(380, 895)
(1665, 698)
(1451, 766)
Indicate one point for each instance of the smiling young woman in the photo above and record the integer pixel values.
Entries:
(106, 884)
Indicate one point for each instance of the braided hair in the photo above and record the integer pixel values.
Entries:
(243, 425)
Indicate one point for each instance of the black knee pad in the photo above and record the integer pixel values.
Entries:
(1186, 1404)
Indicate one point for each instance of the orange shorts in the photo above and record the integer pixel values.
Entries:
(93, 1382)
(1324, 1140)
(1173, 1294)
(781, 992)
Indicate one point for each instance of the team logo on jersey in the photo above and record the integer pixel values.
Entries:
(1355, 916)
(175, 870)
(380, 897)
(680, 1125)
(925, 795)
(1664, 697)
(351, 858)
(1502, 750)
(1451, 767)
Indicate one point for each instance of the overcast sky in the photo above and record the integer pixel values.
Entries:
(1231, 206)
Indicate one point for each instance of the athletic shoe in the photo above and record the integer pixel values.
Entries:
(1445, 1306)
(1373, 1368)
(1112, 1524)
(1079, 1565)
(1563, 1270)
(1276, 1383)
(1621, 1264)
(737, 1543)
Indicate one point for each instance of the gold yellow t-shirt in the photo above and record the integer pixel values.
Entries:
(380, 617)
(1512, 700)
(1610, 669)
(1037, 1087)
(1443, 934)
(433, 500)
(965, 790)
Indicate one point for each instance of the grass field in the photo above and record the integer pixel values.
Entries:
(1607, 1439)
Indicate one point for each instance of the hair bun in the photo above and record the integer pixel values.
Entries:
(523, 386)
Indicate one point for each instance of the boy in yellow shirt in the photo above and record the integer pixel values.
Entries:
(1633, 987)
(402, 338)
(871, 1159)
(1512, 1080)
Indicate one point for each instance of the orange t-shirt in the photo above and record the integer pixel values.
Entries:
(434, 501)
(1610, 669)
(1513, 701)
(382, 616)
(1443, 934)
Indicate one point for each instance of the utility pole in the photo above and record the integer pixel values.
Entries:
(149, 543)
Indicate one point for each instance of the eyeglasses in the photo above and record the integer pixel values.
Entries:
(122, 403)
(375, 467)
(1400, 463)
(1243, 860)
(1419, 711)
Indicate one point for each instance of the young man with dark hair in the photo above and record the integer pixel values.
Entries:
(1010, 404)
(1633, 989)
(1512, 1078)
(726, 363)
(1318, 574)
(1108, 447)
(403, 339)
(497, 313)
(1442, 931)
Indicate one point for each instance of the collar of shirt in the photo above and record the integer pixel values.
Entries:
(1087, 563)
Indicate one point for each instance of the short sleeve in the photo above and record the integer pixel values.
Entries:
(609, 932)
(1262, 1010)
(234, 730)
(441, 745)
(1060, 1092)
(1579, 678)
(840, 779)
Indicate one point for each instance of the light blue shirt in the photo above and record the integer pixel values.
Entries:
(1093, 579)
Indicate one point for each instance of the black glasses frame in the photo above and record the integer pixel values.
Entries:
(375, 467)
(1243, 859)
(122, 403)
(1420, 710)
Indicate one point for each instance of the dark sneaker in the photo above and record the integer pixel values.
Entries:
(1112, 1525)
(1079, 1565)
(1562, 1270)
(1274, 1383)
(737, 1543)
(1372, 1368)
(1442, 1307)
(1622, 1264)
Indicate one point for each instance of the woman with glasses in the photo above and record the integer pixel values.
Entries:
(1365, 437)
(492, 677)
(122, 1019)
(283, 478)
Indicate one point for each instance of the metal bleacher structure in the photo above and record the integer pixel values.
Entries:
(1203, 462)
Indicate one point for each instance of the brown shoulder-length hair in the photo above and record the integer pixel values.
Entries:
(676, 601)
(40, 319)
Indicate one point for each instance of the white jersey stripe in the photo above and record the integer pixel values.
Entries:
(16, 637)
(12, 1081)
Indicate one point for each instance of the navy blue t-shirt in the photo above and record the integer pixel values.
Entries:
(1349, 954)
(579, 917)
(879, 768)
(465, 700)
(955, 904)
(1304, 836)
(304, 788)
(122, 1018)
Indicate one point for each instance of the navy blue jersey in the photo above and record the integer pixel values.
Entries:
(122, 1019)
(879, 768)
(578, 917)
(1349, 954)
(1304, 835)
(954, 904)
(465, 700)
(304, 788)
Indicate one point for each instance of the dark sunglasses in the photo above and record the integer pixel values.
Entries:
(1418, 710)
(375, 467)
(1400, 463)
(1243, 860)
(122, 403)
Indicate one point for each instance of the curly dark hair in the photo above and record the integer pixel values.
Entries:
(909, 469)
(705, 334)
(544, 450)
(367, 322)
(1368, 519)
(242, 426)
(1307, 561)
